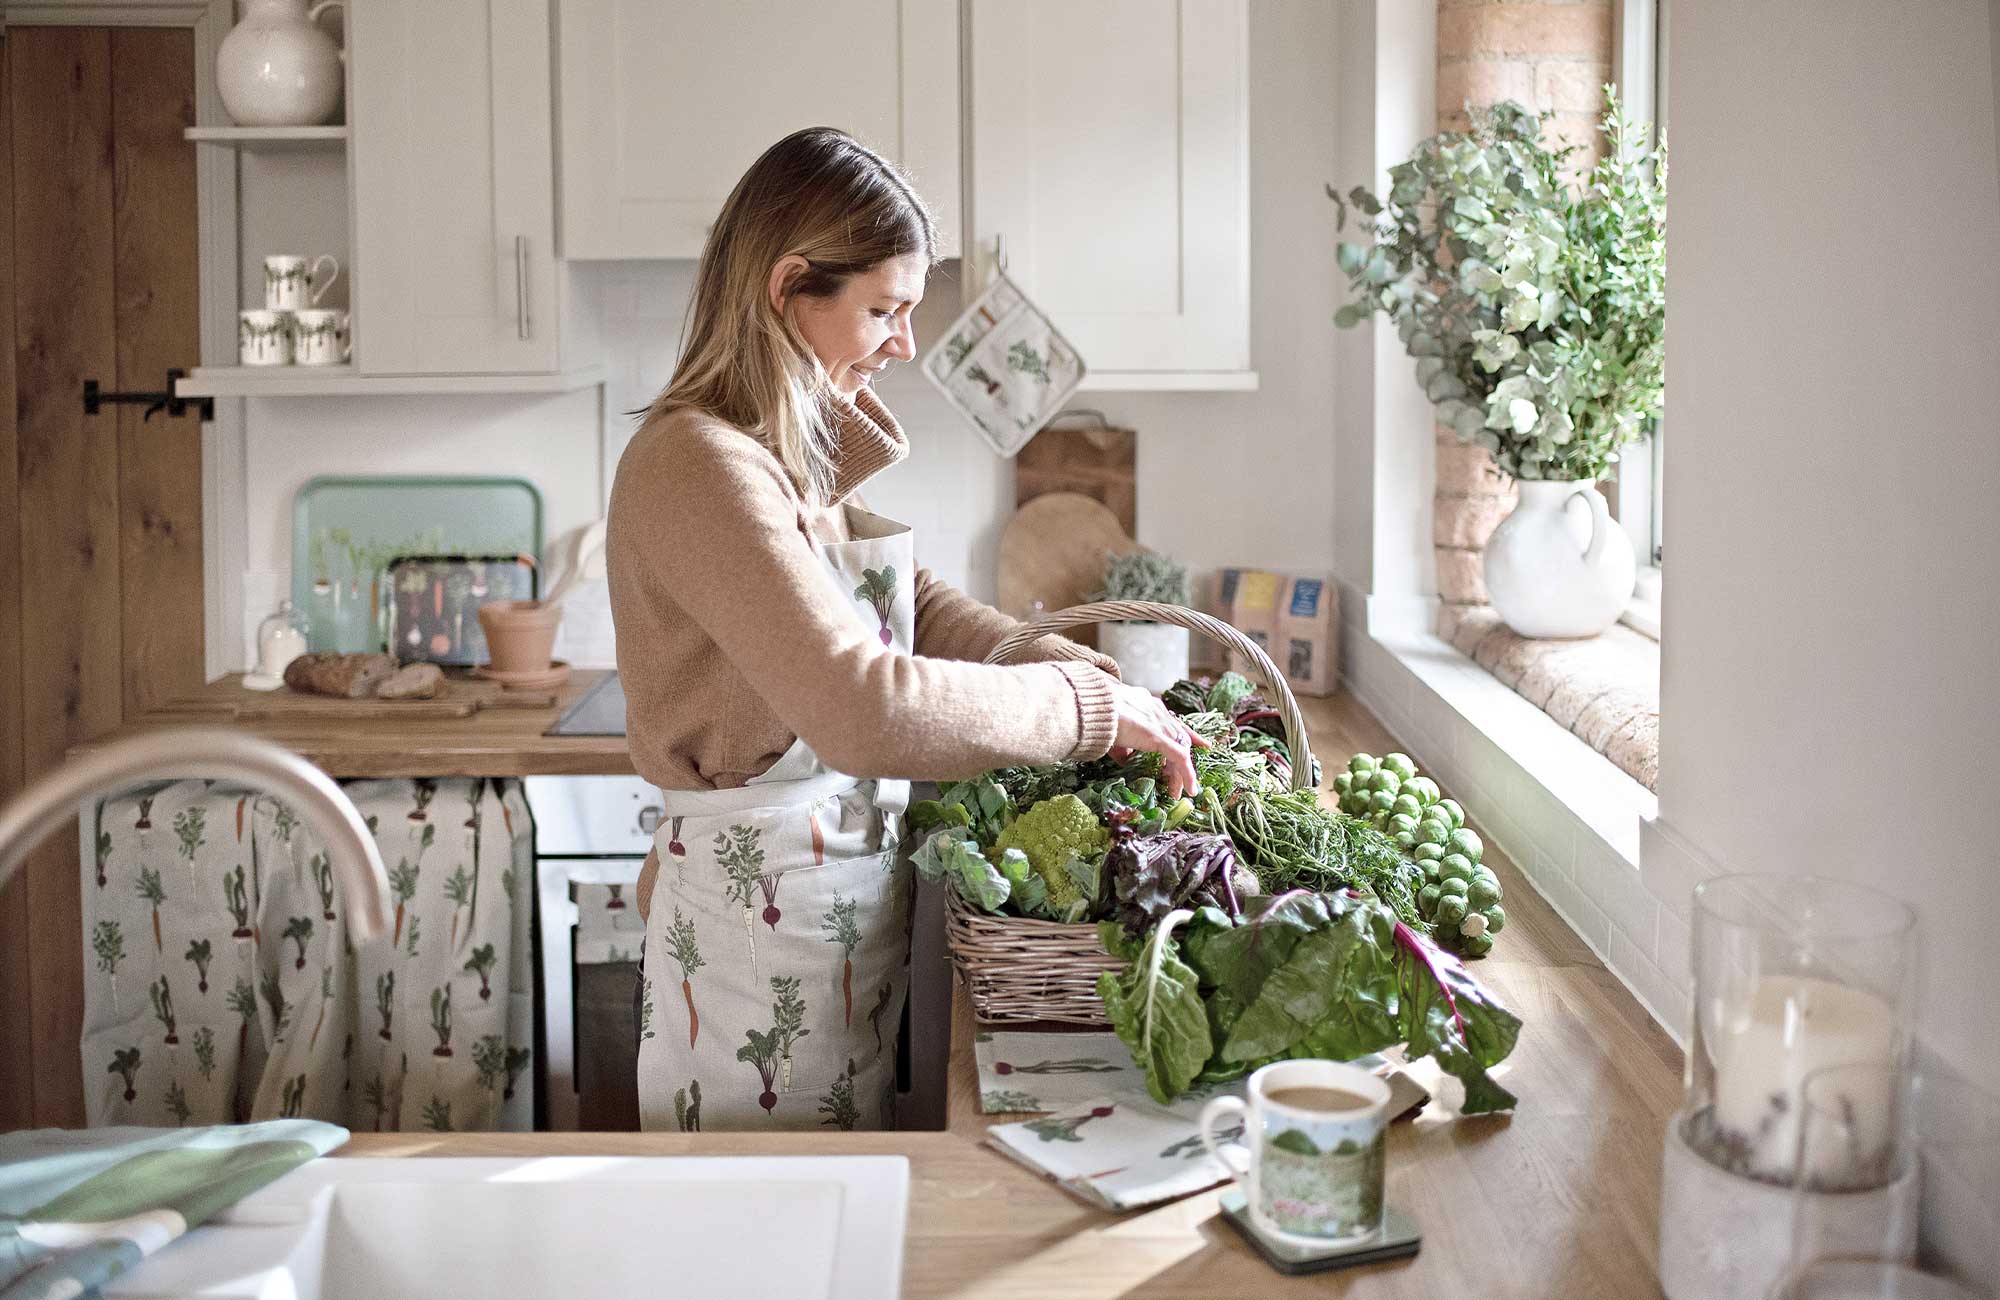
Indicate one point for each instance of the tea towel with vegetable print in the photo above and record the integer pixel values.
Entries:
(1004, 366)
(783, 915)
(223, 986)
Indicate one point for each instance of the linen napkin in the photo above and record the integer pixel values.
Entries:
(1004, 366)
(80, 1206)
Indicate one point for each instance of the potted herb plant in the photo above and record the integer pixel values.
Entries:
(1152, 655)
(1536, 310)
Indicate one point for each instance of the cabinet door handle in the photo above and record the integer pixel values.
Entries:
(521, 285)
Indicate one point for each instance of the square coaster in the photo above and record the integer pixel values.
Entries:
(1398, 1239)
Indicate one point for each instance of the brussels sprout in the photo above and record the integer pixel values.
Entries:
(1432, 831)
(1427, 851)
(1467, 841)
(1407, 805)
(1361, 764)
(1473, 925)
(1451, 910)
(1382, 801)
(1482, 893)
(1386, 782)
(1400, 822)
(1476, 946)
(1496, 918)
(1404, 841)
(1425, 789)
(1456, 868)
(1451, 809)
(1343, 782)
(1427, 899)
(1453, 885)
(1400, 764)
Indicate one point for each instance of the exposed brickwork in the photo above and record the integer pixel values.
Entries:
(1606, 690)
(1549, 55)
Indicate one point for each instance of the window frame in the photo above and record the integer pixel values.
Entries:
(1640, 70)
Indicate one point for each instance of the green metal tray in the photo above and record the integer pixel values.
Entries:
(346, 531)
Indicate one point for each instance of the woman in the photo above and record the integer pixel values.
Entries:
(787, 668)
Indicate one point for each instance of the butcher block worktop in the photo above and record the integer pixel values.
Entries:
(494, 732)
(1560, 1199)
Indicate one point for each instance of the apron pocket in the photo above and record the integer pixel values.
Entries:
(835, 960)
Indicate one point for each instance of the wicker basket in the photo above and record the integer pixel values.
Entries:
(1019, 969)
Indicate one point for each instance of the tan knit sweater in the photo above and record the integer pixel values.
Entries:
(733, 639)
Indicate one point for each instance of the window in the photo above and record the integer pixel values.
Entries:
(1639, 66)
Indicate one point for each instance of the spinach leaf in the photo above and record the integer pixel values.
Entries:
(1155, 1005)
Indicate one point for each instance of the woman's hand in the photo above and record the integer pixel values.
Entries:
(1146, 723)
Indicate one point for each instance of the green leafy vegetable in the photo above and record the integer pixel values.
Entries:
(1156, 1008)
(948, 856)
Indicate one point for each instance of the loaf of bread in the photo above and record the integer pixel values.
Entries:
(413, 682)
(354, 676)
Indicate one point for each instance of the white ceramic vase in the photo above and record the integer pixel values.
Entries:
(277, 67)
(1559, 566)
(1150, 655)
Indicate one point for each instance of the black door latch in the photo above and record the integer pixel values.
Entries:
(170, 401)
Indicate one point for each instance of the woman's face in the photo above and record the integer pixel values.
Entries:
(859, 330)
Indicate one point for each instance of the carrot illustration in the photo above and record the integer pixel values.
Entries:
(155, 893)
(878, 588)
(239, 817)
(681, 946)
(403, 884)
(459, 890)
(841, 929)
(819, 836)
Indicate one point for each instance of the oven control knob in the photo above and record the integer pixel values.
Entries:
(649, 818)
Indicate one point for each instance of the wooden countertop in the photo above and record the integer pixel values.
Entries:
(502, 737)
(1560, 1199)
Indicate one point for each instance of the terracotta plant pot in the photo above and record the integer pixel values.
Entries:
(520, 634)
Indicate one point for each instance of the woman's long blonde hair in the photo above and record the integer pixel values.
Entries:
(823, 195)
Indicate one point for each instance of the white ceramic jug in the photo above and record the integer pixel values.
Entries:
(277, 68)
(1559, 566)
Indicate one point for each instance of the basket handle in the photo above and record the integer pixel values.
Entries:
(1194, 620)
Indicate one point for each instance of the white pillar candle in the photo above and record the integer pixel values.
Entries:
(1764, 1049)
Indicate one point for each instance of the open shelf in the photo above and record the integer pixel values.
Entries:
(270, 138)
(342, 381)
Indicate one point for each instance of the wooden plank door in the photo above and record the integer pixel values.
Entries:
(104, 595)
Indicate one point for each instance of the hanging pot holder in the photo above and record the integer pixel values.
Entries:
(1004, 366)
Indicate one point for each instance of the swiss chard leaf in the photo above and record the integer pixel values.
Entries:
(1155, 1005)
(1337, 987)
(1447, 1014)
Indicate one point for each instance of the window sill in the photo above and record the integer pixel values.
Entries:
(1604, 690)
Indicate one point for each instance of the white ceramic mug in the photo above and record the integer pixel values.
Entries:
(1312, 1177)
(321, 337)
(264, 337)
(290, 283)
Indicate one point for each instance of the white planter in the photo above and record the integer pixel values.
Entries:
(275, 68)
(1149, 655)
(1559, 566)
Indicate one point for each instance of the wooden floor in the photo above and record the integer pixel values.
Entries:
(1558, 1200)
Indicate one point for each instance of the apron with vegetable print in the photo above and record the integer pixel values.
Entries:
(783, 915)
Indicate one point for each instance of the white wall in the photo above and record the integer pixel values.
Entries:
(1224, 478)
(1831, 685)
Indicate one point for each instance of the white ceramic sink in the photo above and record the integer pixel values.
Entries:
(577, 1227)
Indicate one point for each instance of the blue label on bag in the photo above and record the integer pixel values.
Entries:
(1305, 597)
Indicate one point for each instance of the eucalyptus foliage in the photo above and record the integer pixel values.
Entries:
(1536, 310)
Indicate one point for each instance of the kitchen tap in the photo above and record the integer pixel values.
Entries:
(216, 754)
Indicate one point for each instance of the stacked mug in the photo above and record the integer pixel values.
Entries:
(291, 328)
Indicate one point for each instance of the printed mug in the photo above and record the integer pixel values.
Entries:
(320, 337)
(290, 284)
(1313, 1175)
(264, 337)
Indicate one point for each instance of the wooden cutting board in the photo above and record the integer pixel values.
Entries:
(458, 698)
(1053, 550)
(1098, 463)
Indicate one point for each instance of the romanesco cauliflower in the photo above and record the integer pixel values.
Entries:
(1048, 833)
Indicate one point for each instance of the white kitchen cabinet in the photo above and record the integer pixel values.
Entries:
(453, 168)
(1108, 148)
(663, 106)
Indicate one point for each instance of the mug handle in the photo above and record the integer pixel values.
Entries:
(319, 290)
(1211, 1115)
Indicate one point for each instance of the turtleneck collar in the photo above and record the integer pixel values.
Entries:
(868, 441)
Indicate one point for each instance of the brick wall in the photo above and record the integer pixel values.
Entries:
(1555, 56)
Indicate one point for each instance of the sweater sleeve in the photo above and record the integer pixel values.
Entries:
(703, 516)
(952, 625)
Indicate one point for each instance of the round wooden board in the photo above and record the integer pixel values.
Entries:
(1053, 551)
